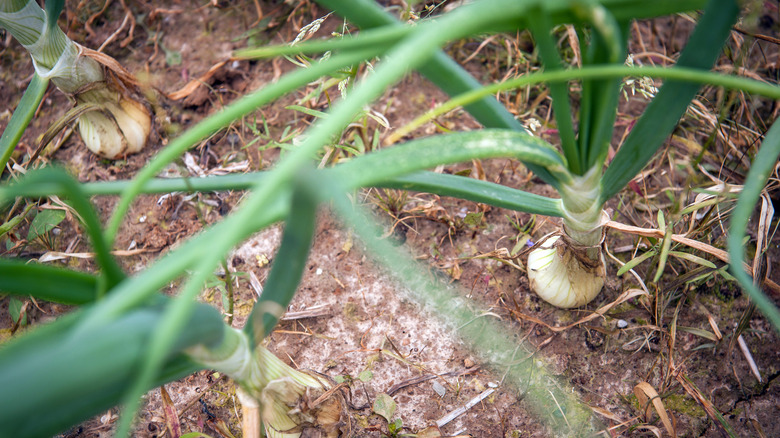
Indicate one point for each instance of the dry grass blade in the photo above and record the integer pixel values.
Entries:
(574, 42)
(424, 378)
(501, 254)
(622, 270)
(714, 326)
(195, 83)
(220, 426)
(625, 296)
(429, 432)
(116, 33)
(612, 430)
(113, 67)
(652, 429)
(311, 312)
(749, 357)
(679, 238)
(762, 236)
(757, 427)
(172, 425)
(22, 317)
(605, 413)
(51, 256)
(647, 395)
(759, 271)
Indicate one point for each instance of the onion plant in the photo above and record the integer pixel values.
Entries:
(111, 119)
(126, 337)
(567, 268)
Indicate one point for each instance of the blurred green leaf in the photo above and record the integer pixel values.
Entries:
(14, 221)
(365, 375)
(81, 372)
(289, 263)
(21, 118)
(473, 220)
(44, 222)
(15, 310)
(671, 102)
(172, 57)
(17, 277)
(384, 406)
(308, 111)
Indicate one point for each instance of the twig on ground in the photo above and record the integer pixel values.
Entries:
(461, 410)
(749, 357)
(415, 380)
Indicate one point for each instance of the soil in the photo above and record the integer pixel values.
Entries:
(368, 329)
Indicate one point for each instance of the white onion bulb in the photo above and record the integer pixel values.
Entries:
(120, 128)
(557, 275)
(283, 393)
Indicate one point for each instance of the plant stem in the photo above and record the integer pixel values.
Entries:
(26, 22)
(262, 376)
(582, 209)
(250, 415)
(229, 291)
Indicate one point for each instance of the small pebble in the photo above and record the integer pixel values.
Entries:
(622, 324)
(439, 389)
(319, 271)
(468, 363)
(492, 385)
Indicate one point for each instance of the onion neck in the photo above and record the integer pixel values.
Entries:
(54, 55)
(252, 370)
(27, 22)
(582, 209)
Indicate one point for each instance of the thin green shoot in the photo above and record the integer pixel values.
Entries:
(21, 118)
(596, 72)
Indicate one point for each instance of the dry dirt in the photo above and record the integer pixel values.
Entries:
(368, 329)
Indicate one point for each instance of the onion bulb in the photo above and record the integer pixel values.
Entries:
(292, 403)
(112, 122)
(563, 274)
(118, 126)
